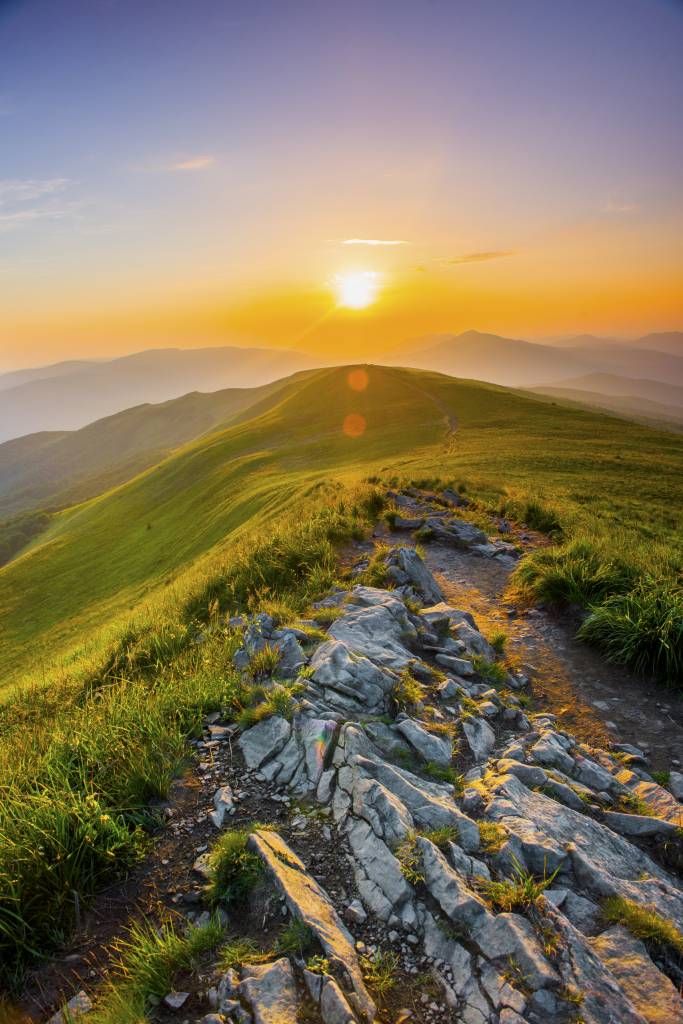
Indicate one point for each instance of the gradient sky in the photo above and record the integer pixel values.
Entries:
(188, 173)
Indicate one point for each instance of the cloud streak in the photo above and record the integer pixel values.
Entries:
(481, 257)
(18, 190)
(194, 163)
(375, 241)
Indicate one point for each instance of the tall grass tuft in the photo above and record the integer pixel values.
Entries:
(642, 629)
(573, 573)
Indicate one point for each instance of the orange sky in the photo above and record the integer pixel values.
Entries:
(521, 169)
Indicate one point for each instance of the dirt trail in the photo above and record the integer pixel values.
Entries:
(599, 702)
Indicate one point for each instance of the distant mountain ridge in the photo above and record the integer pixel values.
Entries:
(68, 396)
(518, 363)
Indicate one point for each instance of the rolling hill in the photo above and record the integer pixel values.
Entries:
(68, 396)
(649, 401)
(56, 468)
(148, 541)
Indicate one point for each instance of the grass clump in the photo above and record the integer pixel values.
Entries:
(235, 870)
(574, 573)
(147, 963)
(326, 616)
(407, 692)
(517, 893)
(410, 860)
(444, 773)
(642, 629)
(264, 662)
(644, 922)
(441, 837)
(492, 836)
(241, 951)
(297, 938)
(280, 700)
(498, 641)
(376, 574)
(381, 973)
(490, 671)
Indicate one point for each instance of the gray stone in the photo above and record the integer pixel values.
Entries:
(176, 1000)
(429, 747)
(650, 991)
(480, 738)
(409, 562)
(460, 666)
(77, 1006)
(638, 824)
(264, 740)
(548, 751)
(223, 803)
(676, 784)
(270, 991)
(334, 1009)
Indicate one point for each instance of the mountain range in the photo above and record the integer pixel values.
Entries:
(69, 395)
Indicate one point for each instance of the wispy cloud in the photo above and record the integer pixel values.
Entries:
(619, 206)
(24, 200)
(194, 163)
(375, 241)
(20, 190)
(481, 257)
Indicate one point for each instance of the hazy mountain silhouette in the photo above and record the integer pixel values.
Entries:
(68, 396)
(518, 363)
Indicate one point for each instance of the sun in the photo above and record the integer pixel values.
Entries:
(356, 290)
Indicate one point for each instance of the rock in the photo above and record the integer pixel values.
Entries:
(292, 657)
(77, 1006)
(650, 991)
(334, 1008)
(351, 681)
(549, 751)
(223, 803)
(264, 740)
(460, 666)
(676, 784)
(308, 902)
(176, 1000)
(409, 562)
(456, 531)
(480, 737)
(531, 775)
(428, 746)
(270, 991)
(638, 824)
(453, 498)
(355, 912)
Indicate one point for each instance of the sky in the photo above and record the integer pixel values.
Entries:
(207, 173)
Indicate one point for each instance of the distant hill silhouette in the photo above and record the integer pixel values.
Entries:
(66, 396)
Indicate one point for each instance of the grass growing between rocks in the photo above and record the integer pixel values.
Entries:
(148, 961)
(644, 923)
(235, 870)
(381, 972)
(520, 892)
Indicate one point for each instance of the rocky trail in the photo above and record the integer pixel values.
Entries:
(442, 823)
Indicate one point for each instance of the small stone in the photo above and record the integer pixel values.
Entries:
(176, 1000)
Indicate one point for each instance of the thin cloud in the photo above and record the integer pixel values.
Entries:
(18, 190)
(195, 163)
(481, 257)
(375, 241)
(614, 206)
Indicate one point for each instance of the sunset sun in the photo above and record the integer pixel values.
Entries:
(356, 290)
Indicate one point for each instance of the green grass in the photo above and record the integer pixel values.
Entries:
(235, 870)
(407, 692)
(643, 922)
(147, 962)
(104, 677)
(642, 629)
(381, 972)
(520, 892)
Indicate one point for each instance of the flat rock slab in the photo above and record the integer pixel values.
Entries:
(650, 991)
(270, 990)
(308, 902)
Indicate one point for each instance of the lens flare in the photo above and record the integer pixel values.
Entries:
(354, 425)
(357, 380)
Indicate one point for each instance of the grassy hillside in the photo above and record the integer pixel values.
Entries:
(146, 544)
(58, 468)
